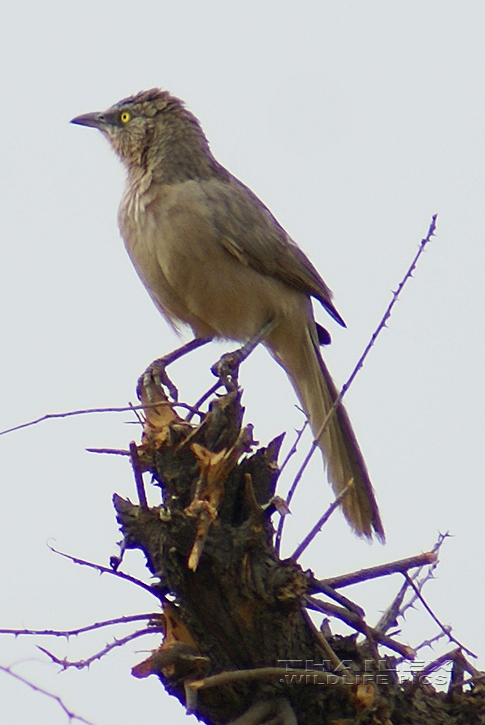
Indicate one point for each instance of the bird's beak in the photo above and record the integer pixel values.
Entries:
(96, 120)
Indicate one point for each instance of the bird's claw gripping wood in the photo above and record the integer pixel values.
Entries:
(227, 369)
(156, 375)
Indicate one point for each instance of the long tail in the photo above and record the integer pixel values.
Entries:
(316, 391)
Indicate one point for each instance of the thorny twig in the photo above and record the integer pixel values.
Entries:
(360, 363)
(152, 616)
(397, 608)
(430, 642)
(433, 616)
(393, 611)
(81, 664)
(105, 570)
(429, 574)
(71, 715)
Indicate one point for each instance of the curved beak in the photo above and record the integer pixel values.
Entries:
(96, 120)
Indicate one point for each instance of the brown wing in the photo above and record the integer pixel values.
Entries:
(247, 230)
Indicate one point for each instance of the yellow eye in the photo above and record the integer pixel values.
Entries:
(125, 116)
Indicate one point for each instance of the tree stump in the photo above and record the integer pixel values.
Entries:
(234, 610)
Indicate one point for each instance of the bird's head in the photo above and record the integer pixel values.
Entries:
(151, 130)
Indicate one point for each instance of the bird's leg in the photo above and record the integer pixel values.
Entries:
(227, 367)
(156, 375)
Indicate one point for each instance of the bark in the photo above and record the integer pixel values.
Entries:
(232, 608)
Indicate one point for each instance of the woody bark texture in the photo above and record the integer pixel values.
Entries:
(232, 603)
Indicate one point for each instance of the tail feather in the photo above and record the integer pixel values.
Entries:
(345, 462)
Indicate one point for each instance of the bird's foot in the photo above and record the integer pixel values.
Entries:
(227, 369)
(156, 377)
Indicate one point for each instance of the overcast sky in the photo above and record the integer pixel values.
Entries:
(354, 122)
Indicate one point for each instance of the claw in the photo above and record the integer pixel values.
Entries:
(227, 369)
(157, 376)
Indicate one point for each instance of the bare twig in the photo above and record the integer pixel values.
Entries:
(293, 448)
(373, 572)
(471, 669)
(111, 451)
(81, 664)
(296, 481)
(318, 586)
(138, 414)
(89, 411)
(106, 570)
(321, 522)
(436, 664)
(291, 452)
(333, 658)
(470, 681)
(360, 363)
(71, 715)
(140, 487)
(195, 409)
(152, 616)
(267, 673)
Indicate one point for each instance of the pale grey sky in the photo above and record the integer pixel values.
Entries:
(354, 122)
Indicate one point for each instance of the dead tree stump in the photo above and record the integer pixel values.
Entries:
(231, 606)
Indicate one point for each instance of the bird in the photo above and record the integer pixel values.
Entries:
(212, 256)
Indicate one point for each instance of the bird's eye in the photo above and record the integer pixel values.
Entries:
(125, 116)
